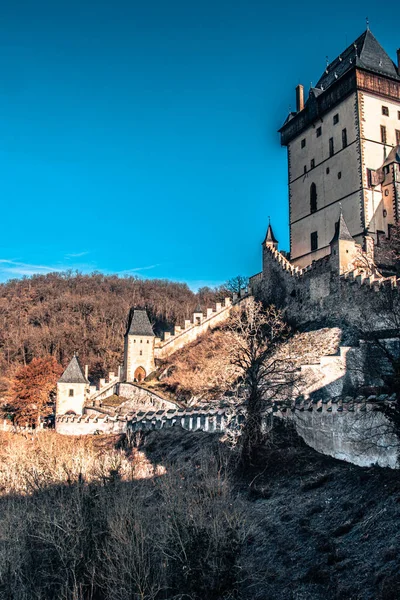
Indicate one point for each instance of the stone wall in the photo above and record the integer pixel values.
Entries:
(363, 438)
(71, 397)
(319, 293)
(138, 352)
(89, 425)
(139, 396)
(191, 331)
(346, 428)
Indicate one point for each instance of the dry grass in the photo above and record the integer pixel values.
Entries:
(30, 463)
(85, 519)
(202, 370)
(89, 519)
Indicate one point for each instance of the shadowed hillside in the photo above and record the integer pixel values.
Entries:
(98, 519)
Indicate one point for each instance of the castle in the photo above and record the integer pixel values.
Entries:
(343, 148)
(77, 400)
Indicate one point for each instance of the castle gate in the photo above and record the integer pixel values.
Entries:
(140, 374)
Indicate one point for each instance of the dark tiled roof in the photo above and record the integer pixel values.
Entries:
(269, 237)
(74, 372)
(290, 116)
(342, 231)
(138, 323)
(365, 52)
(393, 156)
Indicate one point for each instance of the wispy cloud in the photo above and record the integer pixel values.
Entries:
(11, 267)
(77, 254)
(14, 267)
(137, 269)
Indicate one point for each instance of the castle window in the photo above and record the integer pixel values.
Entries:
(335, 119)
(327, 170)
(331, 147)
(385, 111)
(71, 393)
(314, 241)
(148, 341)
(313, 197)
(386, 169)
(134, 341)
(383, 134)
(141, 353)
(303, 143)
(397, 137)
(339, 175)
(305, 169)
(319, 131)
(384, 212)
(312, 163)
(344, 138)
(386, 192)
(141, 341)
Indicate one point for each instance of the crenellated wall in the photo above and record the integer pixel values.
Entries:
(350, 429)
(193, 329)
(319, 292)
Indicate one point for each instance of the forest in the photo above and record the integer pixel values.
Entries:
(61, 313)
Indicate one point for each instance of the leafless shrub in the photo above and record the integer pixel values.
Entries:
(92, 527)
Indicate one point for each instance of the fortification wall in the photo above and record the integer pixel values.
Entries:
(136, 395)
(89, 425)
(362, 437)
(346, 428)
(318, 293)
(192, 330)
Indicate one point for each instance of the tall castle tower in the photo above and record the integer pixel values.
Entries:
(343, 146)
(138, 347)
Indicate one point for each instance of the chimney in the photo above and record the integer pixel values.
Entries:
(299, 98)
(398, 61)
(87, 371)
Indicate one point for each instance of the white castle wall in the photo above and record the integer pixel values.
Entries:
(138, 352)
(89, 425)
(348, 429)
(192, 330)
(363, 438)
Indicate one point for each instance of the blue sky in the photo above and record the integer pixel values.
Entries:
(141, 137)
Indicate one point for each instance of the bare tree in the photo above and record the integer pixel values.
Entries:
(387, 253)
(236, 284)
(256, 333)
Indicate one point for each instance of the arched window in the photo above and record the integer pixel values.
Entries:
(313, 198)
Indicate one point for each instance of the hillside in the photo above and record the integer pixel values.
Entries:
(202, 371)
(96, 518)
(61, 313)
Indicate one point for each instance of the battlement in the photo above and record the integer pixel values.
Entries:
(334, 288)
(192, 329)
(373, 281)
(284, 263)
(208, 418)
(336, 426)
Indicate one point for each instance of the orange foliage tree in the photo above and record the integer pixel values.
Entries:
(32, 390)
